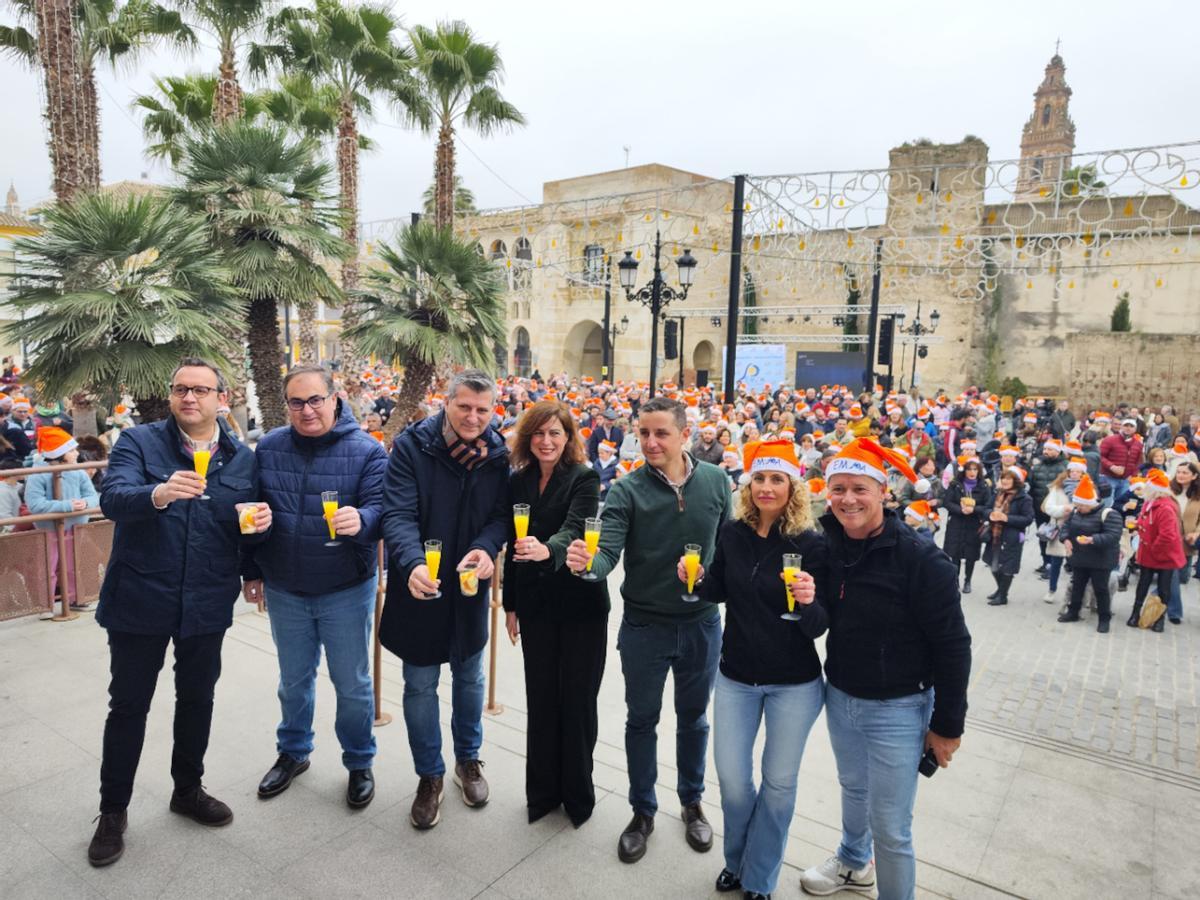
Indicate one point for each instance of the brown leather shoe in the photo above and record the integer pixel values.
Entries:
(632, 845)
(699, 832)
(427, 806)
(199, 806)
(107, 843)
(468, 775)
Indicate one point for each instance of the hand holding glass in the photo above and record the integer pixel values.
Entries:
(433, 559)
(691, 562)
(791, 568)
(591, 537)
(521, 522)
(201, 459)
(329, 505)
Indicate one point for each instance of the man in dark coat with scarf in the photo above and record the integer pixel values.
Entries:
(447, 480)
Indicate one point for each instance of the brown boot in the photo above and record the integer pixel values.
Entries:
(427, 806)
(468, 775)
(196, 804)
(107, 843)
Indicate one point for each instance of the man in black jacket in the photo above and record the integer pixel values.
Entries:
(898, 658)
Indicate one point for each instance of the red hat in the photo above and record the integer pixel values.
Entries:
(53, 442)
(1085, 492)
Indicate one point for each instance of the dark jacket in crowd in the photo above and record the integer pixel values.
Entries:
(548, 589)
(1104, 527)
(1042, 473)
(21, 443)
(895, 621)
(293, 471)
(962, 530)
(1062, 423)
(616, 435)
(173, 571)
(430, 496)
(758, 647)
(606, 474)
(1003, 554)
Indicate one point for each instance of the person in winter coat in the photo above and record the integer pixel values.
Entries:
(1185, 485)
(967, 501)
(320, 597)
(1160, 544)
(1042, 473)
(770, 674)
(1120, 457)
(605, 465)
(446, 480)
(172, 577)
(560, 620)
(920, 517)
(57, 447)
(1057, 507)
(1004, 537)
(1091, 536)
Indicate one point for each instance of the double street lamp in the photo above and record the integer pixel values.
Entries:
(656, 294)
(917, 329)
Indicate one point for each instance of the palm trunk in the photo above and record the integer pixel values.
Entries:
(227, 103)
(83, 415)
(308, 333)
(418, 376)
(91, 106)
(347, 163)
(152, 409)
(265, 350)
(443, 171)
(57, 51)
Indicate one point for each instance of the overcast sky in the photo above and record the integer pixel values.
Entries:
(716, 87)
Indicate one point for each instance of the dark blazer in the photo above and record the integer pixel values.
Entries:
(597, 436)
(429, 496)
(173, 571)
(548, 589)
(1004, 554)
(294, 470)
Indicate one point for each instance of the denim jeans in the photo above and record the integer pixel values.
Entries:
(341, 623)
(757, 819)
(1175, 604)
(690, 651)
(422, 712)
(878, 745)
(1119, 486)
(1054, 565)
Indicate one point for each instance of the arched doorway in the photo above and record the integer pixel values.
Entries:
(522, 355)
(582, 349)
(703, 359)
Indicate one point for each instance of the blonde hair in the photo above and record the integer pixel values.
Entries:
(797, 515)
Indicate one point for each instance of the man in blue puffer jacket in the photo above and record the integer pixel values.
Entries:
(320, 591)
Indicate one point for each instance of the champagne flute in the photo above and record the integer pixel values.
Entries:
(791, 568)
(433, 559)
(691, 562)
(521, 523)
(591, 536)
(329, 505)
(201, 459)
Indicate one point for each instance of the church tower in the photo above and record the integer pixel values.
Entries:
(12, 205)
(1048, 139)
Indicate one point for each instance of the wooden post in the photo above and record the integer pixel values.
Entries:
(60, 536)
(381, 718)
(493, 708)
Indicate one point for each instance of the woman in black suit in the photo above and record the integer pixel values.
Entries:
(563, 620)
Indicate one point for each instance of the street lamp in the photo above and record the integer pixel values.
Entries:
(917, 329)
(612, 344)
(656, 294)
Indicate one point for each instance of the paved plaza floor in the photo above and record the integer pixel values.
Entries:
(1078, 777)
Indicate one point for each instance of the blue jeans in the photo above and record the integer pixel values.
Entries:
(756, 820)
(878, 745)
(1119, 486)
(1175, 604)
(341, 623)
(1055, 564)
(421, 712)
(690, 651)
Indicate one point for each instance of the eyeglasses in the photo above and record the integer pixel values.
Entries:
(295, 404)
(199, 391)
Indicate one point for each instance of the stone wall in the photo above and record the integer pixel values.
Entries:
(1141, 369)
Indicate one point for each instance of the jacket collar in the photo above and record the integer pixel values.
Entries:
(225, 439)
(888, 537)
(428, 434)
(344, 423)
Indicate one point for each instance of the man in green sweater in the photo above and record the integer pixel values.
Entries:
(651, 514)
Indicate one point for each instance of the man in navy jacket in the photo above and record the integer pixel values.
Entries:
(447, 480)
(172, 577)
(320, 591)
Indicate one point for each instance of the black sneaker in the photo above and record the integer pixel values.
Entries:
(108, 842)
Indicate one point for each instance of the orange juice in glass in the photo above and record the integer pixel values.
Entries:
(791, 568)
(433, 561)
(591, 537)
(201, 459)
(468, 580)
(329, 506)
(521, 522)
(691, 563)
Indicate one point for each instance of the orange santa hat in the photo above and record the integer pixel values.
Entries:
(1085, 492)
(919, 510)
(53, 442)
(866, 457)
(1157, 482)
(771, 456)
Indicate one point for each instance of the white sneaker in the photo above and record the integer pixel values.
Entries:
(832, 876)
(1050, 597)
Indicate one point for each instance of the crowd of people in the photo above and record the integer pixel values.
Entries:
(807, 514)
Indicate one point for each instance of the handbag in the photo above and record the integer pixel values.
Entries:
(1048, 531)
(1153, 610)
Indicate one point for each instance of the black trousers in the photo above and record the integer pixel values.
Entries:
(564, 663)
(1143, 586)
(135, 661)
(1099, 581)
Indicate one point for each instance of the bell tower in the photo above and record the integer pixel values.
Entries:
(1048, 139)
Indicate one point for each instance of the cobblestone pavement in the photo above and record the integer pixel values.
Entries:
(1131, 695)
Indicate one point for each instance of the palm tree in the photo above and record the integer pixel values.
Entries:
(230, 23)
(460, 79)
(113, 293)
(1082, 181)
(435, 300)
(350, 50)
(464, 198)
(102, 29)
(180, 107)
(265, 198)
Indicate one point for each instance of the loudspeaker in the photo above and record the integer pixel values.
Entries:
(886, 336)
(671, 339)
